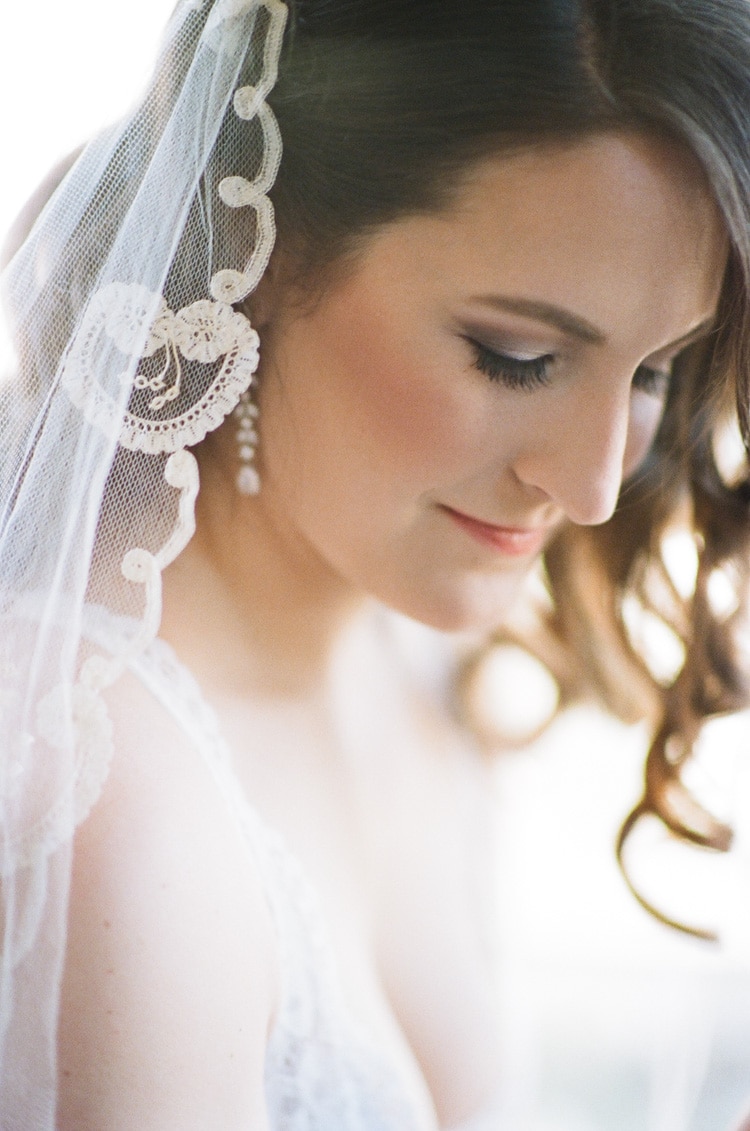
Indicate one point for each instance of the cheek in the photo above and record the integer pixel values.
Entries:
(404, 413)
(645, 417)
(370, 400)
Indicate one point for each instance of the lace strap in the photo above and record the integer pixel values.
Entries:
(292, 899)
(316, 1048)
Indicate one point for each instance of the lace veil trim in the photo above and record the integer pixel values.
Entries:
(124, 305)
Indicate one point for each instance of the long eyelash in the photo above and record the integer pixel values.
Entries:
(511, 371)
(533, 373)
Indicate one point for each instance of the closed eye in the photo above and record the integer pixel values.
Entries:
(514, 372)
(529, 373)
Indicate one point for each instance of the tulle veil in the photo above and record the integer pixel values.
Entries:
(124, 306)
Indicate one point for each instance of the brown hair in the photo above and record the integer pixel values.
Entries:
(381, 106)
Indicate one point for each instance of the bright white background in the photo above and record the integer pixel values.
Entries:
(67, 68)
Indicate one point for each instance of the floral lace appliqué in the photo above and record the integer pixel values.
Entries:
(140, 325)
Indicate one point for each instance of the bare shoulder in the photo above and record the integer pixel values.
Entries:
(170, 976)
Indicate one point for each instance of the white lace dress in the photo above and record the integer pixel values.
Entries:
(322, 1071)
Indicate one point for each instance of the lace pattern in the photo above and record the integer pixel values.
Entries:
(125, 324)
(141, 326)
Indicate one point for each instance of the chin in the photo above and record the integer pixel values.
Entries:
(476, 605)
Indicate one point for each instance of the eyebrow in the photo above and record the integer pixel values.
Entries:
(572, 324)
(556, 316)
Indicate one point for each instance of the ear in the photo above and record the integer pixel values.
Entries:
(261, 306)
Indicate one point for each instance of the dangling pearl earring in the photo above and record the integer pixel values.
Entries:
(246, 414)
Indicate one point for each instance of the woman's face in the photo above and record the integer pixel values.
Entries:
(486, 373)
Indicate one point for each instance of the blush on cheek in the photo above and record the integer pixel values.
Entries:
(419, 424)
(403, 401)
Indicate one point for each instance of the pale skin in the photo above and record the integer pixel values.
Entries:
(385, 427)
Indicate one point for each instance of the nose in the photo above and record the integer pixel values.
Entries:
(576, 457)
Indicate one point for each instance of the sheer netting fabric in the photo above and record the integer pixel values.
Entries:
(125, 309)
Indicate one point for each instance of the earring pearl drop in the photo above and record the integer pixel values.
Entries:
(246, 415)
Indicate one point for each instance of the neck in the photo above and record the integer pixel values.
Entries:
(251, 606)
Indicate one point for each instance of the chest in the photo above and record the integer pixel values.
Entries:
(388, 819)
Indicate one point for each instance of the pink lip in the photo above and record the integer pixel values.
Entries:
(515, 541)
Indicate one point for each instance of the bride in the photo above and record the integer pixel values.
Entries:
(369, 310)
